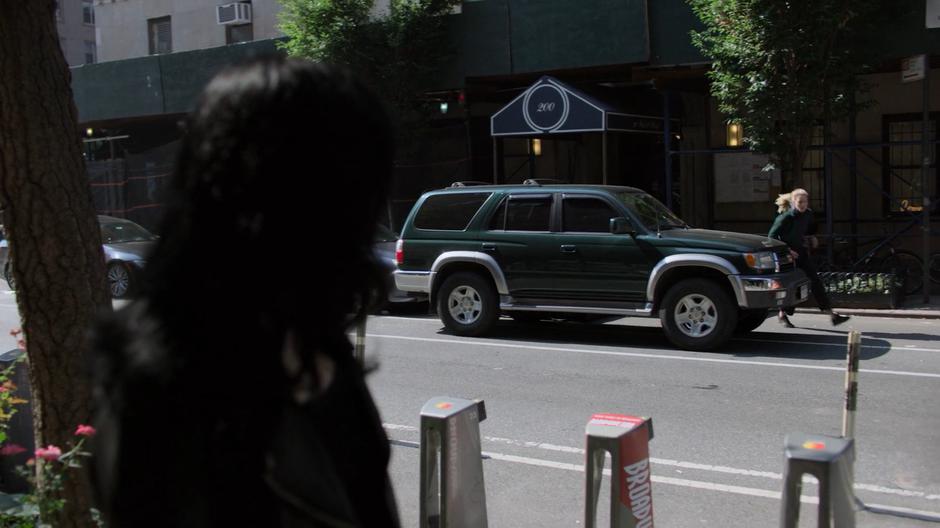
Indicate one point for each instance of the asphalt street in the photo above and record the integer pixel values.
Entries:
(719, 418)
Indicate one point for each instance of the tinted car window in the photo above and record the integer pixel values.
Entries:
(529, 214)
(451, 212)
(650, 211)
(498, 222)
(118, 232)
(587, 215)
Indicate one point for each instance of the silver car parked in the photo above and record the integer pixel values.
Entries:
(125, 245)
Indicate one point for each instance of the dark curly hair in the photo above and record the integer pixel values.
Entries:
(281, 175)
(282, 172)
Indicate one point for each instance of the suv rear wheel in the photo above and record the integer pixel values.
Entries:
(697, 314)
(467, 304)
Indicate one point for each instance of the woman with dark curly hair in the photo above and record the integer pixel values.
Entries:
(227, 394)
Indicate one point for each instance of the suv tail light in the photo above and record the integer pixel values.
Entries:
(400, 252)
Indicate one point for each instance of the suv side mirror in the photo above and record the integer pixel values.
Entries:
(621, 226)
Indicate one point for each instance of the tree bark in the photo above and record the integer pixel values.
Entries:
(50, 221)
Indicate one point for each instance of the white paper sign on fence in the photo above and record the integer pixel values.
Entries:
(740, 177)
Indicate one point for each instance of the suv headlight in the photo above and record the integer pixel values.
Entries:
(763, 260)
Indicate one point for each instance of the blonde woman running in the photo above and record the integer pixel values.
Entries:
(794, 226)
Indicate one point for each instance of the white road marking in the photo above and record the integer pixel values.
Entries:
(698, 484)
(658, 462)
(481, 343)
(913, 348)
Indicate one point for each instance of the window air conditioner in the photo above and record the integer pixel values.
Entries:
(233, 14)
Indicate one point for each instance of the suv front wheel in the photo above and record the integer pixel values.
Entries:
(467, 304)
(697, 314)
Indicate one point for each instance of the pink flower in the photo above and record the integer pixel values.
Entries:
(12, 449)
(50, 452)
(85, 430)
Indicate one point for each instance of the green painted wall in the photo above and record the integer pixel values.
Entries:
(559, 34)
(670, 24)
(489, 38)
(118, 89)
(185, 74)
(504, 37)
(906, 33)
(159, 84)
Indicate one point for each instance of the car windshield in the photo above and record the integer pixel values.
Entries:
(118, 232)
(650, 212)
(384, 234)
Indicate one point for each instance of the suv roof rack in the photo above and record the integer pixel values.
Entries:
(543, 181)
(469, 183)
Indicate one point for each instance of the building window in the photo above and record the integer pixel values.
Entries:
(239, 33)
(160, 35)
(904, 159)
(91, 52)
(88, 12)
(814, 171)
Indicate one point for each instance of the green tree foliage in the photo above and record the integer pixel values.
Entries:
(781, 67)
(397, 52)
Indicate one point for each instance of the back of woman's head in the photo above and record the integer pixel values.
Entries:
(281, 175)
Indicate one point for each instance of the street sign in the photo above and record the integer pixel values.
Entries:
(912, 68)
(933, 14)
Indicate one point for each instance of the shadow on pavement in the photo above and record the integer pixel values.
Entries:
(753, 345)
(910, 336)
(415, 309)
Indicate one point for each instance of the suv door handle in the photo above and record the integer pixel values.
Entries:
(569, 248)
(487, 246)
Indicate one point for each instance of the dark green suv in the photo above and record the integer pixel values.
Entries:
(587, 252)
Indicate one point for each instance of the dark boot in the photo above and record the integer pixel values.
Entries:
(838, 319)
(785, 321)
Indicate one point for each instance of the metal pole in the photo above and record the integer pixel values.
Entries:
(853, 174)
(360, 349)
(667, 172)
(924, 170)
(496, 160)
(851, 384)
(604, 154)
(531, 150)
(827, 157)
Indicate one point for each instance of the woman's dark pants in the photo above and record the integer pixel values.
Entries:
(806, 264)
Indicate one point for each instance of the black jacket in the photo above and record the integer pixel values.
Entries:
(185, 445)
(791, 226)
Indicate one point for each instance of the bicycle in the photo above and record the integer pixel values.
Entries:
(884, 256)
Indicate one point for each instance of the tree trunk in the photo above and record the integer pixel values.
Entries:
(793, 165)
(50, 220)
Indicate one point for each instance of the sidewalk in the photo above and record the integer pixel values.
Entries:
(913, 307)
